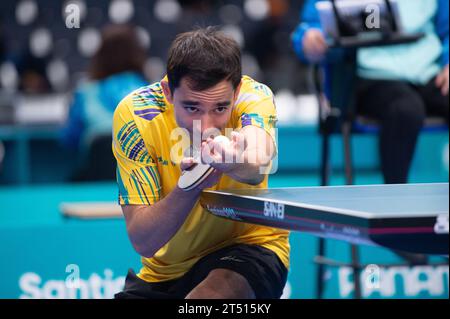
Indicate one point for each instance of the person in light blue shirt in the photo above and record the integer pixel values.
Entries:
(115, 70)
(93, 105)
(398, 85)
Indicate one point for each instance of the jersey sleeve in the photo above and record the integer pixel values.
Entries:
(137, 174)
(256, 106)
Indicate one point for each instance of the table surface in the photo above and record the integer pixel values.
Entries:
(367, 201)
(407, 217)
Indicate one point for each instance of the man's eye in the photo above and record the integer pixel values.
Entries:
(191, 109)
(221, 109)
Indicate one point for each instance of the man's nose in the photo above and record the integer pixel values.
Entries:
(209, 128)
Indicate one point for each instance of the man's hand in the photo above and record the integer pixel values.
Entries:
(224, 156)
(442, 81)
(314, 45)
(210, 181)
(249, 150)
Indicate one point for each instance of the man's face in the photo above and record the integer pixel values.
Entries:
(210, 108)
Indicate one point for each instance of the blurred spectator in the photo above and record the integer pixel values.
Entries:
(263, 41)
(32, 74)
(115, 70)
(398, 85)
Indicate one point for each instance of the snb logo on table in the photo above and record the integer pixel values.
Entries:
(274, 210)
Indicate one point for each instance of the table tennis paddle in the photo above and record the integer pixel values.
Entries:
(198, 172)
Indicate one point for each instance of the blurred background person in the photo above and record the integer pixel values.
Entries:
(115, 70)
(32, 74)
(397, 85)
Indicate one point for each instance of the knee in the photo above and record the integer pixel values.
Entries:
(223, 284)
(408, 111)
(206, 292)
(221, 274)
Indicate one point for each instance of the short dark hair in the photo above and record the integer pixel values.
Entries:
(206, 57)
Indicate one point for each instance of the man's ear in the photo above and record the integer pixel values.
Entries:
(166, 89)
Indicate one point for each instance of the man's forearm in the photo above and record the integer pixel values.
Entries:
(247, 174)
(250, 171)
(251, 164)
(152, 227)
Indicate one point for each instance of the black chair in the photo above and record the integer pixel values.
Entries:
(337, 115)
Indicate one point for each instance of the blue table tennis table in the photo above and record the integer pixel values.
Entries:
(406, 217)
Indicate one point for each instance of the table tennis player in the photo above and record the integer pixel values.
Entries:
(187, 252)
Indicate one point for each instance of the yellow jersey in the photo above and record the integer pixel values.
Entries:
(142, 126)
